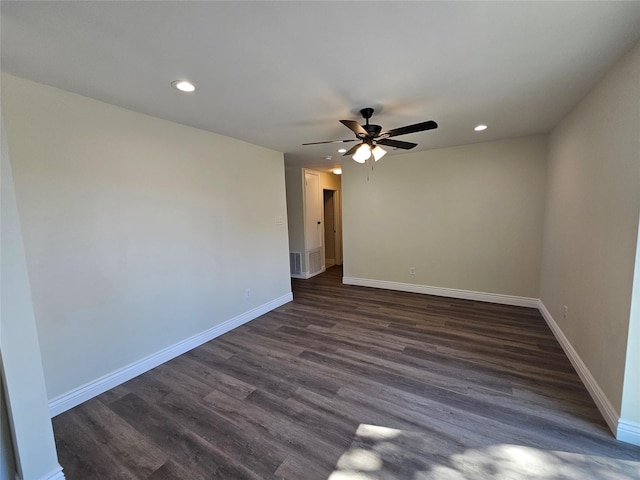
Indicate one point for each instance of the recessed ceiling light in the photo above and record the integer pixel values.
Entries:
(183, 86)
(342, 150)
(337, 171)
(480, 128)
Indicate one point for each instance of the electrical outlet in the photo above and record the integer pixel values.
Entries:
(565, 312)
(412, 270)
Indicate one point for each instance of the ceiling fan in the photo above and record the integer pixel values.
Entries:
(372, 136)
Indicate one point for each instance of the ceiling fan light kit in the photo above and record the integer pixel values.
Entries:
(363, 153)
(371, 137)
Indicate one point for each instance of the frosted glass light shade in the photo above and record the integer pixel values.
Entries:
(363, 153)
(378, 152)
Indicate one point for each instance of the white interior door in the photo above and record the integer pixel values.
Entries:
(313, 211)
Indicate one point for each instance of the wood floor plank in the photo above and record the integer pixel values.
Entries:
(282, 430)
(170, 470)
(198, 456)
(354, 382)
(259, 458)
(119, 440)
(211, 377)
(88, 455)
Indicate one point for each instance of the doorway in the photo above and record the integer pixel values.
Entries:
(332, 230)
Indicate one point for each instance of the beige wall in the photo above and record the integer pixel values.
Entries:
(467, 218)
(295, 212)
(22, 375)
(139, 233)
(329, 181)
(591, 225)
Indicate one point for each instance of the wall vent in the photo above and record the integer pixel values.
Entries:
(295, 263)
(315, 261)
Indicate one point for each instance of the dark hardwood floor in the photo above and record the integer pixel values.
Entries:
(354, 383)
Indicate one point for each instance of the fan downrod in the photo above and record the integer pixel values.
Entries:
(372, 130)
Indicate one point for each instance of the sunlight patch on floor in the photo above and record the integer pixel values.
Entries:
(385, 453)
(376, 432)
(359, 459)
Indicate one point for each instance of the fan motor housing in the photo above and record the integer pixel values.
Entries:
(372, 130)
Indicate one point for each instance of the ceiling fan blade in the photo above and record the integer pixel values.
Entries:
(355, 127)
(418, 127)
(396, 144)
(332, 141)
(352, 150)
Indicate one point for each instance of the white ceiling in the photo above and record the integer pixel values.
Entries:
(279, 74)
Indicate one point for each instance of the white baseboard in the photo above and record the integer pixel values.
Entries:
(85, 392)
(55, 474)
(444, 292)
(307, 275)
(302, 276)
(602, 402)
(628, 431)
